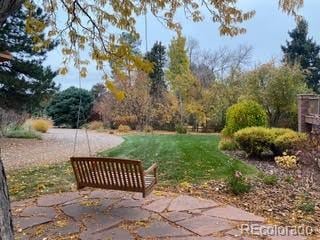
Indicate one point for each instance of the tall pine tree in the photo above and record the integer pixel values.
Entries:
(25, 84)
(158, 86)
(304, 51)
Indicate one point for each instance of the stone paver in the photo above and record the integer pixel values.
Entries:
(131, 214)
(234, 233)
(77, 210)
(288, 238)
(233, 213)
(100, 214)
(201, 238)
(101, 222)
(150, 197)
(159, 205)
(47, 212)
(183, 203)
(129, 203)
(111, 234)
(71, 227)
(28, 222)
(110, 194)
(205, 225)
(56, 199)
(176, 216)
(161, 230)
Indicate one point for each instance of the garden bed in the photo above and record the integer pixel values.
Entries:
(289, 197)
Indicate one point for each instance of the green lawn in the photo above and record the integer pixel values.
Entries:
(191, 158)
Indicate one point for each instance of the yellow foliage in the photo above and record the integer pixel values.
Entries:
(119, 95)
(83, 72)
(96, 24)
(286, 161)
(124, 128)
(185, 185)
(95, 125)
(63, 71)
(40, 124)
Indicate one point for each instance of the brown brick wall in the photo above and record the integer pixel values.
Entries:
(303, 106)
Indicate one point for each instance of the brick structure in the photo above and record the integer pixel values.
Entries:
(308, 112)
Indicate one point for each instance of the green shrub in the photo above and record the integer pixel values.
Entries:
(257, 140)
(254, 140)
(181, 129)
(228, 144)
(270, 179)
(288, 140)
(244, 114)
(237, 184)
(308, 206)
(289, 179)
(19, 132)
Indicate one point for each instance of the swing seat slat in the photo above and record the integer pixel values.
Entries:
(114, 173)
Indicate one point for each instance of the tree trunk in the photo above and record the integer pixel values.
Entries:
(6, 226)
(181, 110)
(7, 8)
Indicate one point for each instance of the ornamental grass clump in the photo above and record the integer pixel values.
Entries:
(124, 128)
(40, 124)
(95, 125)
(238, 184)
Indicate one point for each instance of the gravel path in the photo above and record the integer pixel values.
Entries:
(55, 146)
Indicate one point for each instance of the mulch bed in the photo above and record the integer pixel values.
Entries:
(285, 203)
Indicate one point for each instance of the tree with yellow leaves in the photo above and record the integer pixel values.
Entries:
(96, 24)
(179, 74)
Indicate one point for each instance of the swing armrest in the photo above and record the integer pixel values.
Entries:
(152, 169)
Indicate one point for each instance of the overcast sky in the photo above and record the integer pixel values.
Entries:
(265, 33)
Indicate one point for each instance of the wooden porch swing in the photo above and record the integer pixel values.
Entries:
(112, 173)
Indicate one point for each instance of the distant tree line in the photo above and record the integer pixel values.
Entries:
(191, 86)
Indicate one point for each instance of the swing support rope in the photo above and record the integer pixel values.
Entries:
(80, 99)
(78, 119)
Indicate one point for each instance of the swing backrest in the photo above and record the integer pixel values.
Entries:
(109, 173)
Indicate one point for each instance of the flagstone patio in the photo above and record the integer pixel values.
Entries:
(99, 214)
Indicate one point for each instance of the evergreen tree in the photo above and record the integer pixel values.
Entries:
(157, 56)
(304, 51)
(64, 107)
(25, 84)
